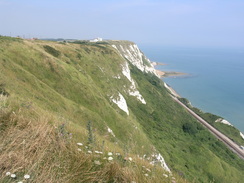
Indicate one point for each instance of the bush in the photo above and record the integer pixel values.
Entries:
(189, 128)
(3, 91)
(51, 51)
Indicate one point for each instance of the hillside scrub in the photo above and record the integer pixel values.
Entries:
(35, 147)
(51, 100)
(230, 131)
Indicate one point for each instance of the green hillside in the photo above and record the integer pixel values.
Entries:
(56, 94)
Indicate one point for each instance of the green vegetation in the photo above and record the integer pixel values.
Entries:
(230, 131)
(55, 89)
(51, 51)
(188, 148)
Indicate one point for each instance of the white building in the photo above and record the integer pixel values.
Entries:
(96, 40)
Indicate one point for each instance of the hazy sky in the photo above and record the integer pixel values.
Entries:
(166, 22)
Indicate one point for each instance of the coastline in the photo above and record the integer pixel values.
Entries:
(163, 74)
(236, 146)
(158, 63)
(172, 91)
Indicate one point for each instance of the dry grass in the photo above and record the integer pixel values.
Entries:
(3, 101)
(35, 147)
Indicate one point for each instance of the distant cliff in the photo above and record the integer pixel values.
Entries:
(133, 54)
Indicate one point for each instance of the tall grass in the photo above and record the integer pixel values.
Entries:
(33, 146)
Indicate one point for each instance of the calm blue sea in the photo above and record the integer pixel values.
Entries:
(215, 82)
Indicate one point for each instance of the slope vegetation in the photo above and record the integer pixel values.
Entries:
(54, 95)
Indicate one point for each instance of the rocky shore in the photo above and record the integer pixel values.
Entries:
(163, 74)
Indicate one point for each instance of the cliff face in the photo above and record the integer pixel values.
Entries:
(133, 54)
(113, 85)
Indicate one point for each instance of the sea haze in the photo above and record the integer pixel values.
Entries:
(215, 82)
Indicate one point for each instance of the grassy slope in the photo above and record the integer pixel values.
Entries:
(188, 148)
(72, 83)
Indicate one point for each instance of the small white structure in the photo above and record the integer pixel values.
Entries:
(96, 40)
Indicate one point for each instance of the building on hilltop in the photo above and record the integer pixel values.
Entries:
(96, 40)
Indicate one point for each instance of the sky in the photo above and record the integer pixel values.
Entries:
(214, 23)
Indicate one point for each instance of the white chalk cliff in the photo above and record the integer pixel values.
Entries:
(132, 53)
(120, 102)
(132, 90)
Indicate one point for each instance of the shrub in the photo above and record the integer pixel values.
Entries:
(3, 91)
(189, 128)
(51, 51)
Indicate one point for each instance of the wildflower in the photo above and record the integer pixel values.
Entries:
(110, 154)
(148, 170)
(104, 158)
(13, 175)
(79, 144)
(130, 158)
(79, 149)
(97, 152)
(27, 176)
(86, 147)
(8, 173)
(101, 152)
(165, 175)
(110, 158)
(20, 182)
(89, 152)
(97, 162)
(146, 174)
(117, 154)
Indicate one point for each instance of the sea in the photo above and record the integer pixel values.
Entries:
(215, 78)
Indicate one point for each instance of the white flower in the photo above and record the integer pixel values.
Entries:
(27, 176)
(130, 158)
(97, 152)
(146, 174)
(89, 152)
(8, 173)
(79, 149)
(101, 152)
(165, 175)
(13, 175)
(20, 182)
(117, 154)
(110, 154)
(97, 162)
(79, 144)
(86, 146)
(104, 158)
(110, 158)
(148, 170)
